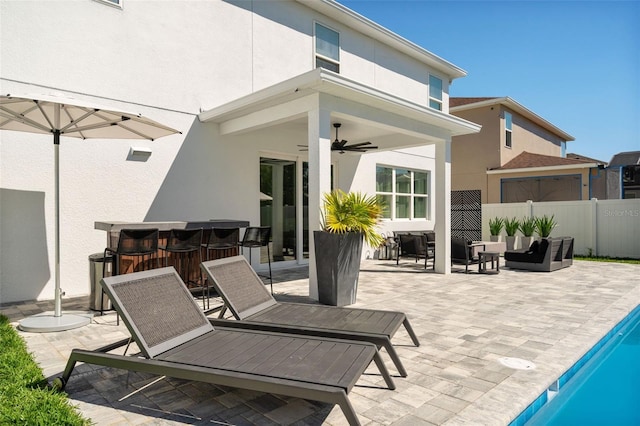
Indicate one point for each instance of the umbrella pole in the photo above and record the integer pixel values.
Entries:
(58, 291)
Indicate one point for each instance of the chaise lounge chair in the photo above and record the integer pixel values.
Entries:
(249, 301)
(177, 340)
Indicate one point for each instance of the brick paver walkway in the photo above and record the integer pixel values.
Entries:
(466, 323)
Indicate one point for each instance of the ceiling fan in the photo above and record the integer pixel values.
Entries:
(341, 145)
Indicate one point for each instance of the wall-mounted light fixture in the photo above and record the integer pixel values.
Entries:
(137, 153)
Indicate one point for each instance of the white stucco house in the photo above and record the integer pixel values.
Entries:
(255, 88)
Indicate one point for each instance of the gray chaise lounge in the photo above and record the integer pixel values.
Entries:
(177, 340)
(545, 255)
(248, 299)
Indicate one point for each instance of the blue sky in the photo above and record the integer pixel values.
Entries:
(574, 63)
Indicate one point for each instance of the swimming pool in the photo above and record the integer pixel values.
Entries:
(603, 387)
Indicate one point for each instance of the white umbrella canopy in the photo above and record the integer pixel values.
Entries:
(63, 116)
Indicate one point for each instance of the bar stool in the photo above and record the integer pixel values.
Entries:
(255, 237)
(139, 243)
(184, 244)
(223, 242)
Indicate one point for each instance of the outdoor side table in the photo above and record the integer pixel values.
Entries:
(483, 257)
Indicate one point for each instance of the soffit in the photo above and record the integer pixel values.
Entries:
(291, 99)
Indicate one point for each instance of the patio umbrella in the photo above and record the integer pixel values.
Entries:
(62, 116)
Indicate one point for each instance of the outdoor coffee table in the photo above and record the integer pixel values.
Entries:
(483, 257)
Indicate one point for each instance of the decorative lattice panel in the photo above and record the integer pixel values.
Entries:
(466, 215)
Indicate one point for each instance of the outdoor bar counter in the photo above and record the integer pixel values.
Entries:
(113, 228)
(116, 226)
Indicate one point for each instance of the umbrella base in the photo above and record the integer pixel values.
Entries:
(47, 322)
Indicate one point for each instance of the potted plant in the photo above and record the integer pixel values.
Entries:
(544, 225)
(347, 220)
(527, 227)
(495, 226)
(511, 227)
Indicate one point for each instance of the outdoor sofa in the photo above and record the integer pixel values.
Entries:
(544, 255)
(246, 296)
(177, 340)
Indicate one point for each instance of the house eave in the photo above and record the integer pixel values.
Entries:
(520, 109)
(542, 169)
(320, 81)
(379, 33)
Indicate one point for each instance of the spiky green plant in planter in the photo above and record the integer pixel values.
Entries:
(544, 225)
(495, 226)
(511, 227)
(527, 227)
(347, 220)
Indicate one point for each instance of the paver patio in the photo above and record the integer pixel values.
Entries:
(465, 322)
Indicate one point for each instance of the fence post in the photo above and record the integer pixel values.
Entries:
(530, 207)
(594, 225)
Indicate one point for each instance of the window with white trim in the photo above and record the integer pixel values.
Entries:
(403, 192)
(327, 48)
(508, 124)
(435, 92)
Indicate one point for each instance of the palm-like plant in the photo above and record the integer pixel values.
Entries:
(353, 212)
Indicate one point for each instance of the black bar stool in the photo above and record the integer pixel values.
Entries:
(141, 243)
(223, 242)
(182, 246)
(255, 237)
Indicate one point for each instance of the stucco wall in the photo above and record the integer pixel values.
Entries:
(472, 155)
(167, 60)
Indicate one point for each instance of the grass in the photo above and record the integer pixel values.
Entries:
(25, 398)
(609, 259)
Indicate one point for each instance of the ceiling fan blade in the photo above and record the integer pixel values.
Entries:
(356, 145)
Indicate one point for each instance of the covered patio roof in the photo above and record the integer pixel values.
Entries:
(290, 100)
(312, 101)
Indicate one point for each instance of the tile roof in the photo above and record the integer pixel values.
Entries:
(528, 159)
(582, 157)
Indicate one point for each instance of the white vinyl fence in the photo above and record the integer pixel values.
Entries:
(599, 227)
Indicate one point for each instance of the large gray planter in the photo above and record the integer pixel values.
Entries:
(337, 266)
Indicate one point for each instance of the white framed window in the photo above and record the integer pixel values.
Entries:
(508, 127)
(404, 192)
(435, 92)
(327, 46)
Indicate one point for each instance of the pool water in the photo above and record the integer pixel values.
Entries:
(606, 390)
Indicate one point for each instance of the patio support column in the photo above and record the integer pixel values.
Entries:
(319, 141)
(442, 199)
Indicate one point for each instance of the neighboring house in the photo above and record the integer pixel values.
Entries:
(517, 156)
(623, 176)
(255, 87)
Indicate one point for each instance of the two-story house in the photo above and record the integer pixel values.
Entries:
(256, 88)
(517, 156)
